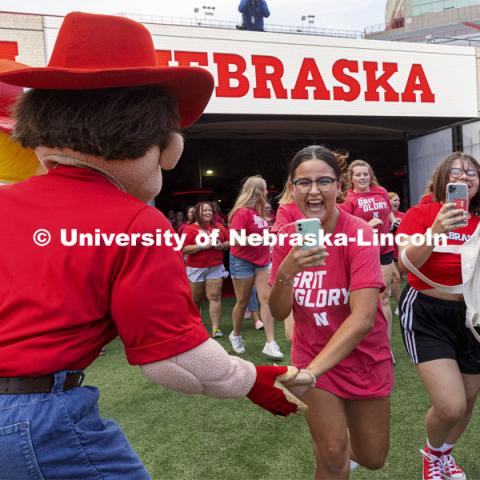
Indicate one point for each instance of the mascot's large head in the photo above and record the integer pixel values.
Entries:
(93, 56)
(16, 163)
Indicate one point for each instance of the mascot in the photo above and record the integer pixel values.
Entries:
(83, 259)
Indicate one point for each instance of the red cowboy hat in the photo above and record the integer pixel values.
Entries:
(104, 51)
(8, 94)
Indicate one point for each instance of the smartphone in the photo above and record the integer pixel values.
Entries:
(310, 227)
(457, 193)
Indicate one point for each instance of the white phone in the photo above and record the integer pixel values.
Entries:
(310, 228)
(457, 193)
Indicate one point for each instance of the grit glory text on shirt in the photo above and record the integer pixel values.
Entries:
(308, 292)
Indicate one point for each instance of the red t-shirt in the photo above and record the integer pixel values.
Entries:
(368, 205)
(218, 218)
(427, 198)
(209, 257)
(182, 228)
(248, 219)
(60, 305)
(320, 305)
(444, 268)
(286, 213)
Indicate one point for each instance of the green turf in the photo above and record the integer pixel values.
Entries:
(183, 437)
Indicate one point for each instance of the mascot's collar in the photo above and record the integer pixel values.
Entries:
(51, 160)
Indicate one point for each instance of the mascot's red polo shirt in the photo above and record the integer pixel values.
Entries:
(59, 305)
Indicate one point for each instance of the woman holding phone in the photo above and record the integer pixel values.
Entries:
(340, 333)
(444, 351)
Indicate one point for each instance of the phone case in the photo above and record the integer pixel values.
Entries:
(310, 227)
(457, 193)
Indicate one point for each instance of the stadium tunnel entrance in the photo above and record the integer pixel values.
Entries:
(222, 150)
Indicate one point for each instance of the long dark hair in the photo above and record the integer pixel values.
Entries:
(441, 176)
(197, 215)
(314, 152)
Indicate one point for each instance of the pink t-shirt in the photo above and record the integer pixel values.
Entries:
(248, 219)
(320, 306)
(286, 213)
(368, 205)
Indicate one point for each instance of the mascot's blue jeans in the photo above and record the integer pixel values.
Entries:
(61, 436)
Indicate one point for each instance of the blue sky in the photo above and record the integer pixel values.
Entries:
(337, 14)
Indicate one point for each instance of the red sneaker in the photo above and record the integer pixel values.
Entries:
(432, 464)
(450, 468)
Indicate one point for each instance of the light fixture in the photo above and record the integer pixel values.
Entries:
(209, 172)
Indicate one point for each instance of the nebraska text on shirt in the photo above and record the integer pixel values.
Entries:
(460, 237)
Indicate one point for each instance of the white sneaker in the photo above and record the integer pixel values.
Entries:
(272, 350)
(237, 343)
(451, 469)
(259, 325)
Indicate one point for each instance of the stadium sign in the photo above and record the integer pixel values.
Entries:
(230, 70)
(288, 74)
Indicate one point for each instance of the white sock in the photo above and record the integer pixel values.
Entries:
(353, 465)
(437, 449)
(447, 446)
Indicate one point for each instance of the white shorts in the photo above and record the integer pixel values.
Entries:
(199, 275)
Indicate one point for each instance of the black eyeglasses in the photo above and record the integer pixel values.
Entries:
(324, 184)
(456, 172)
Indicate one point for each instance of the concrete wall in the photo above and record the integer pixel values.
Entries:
(27, 31)
(453, 15)
(447, 22)
(477, 50)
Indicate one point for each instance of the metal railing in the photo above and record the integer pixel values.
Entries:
(383, 27)
(470, 41)
(377, 28)
(231, 25)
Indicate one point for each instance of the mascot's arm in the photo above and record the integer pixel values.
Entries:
(209, 370)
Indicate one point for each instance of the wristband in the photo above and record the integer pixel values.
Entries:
(288, 281)
(314, 378)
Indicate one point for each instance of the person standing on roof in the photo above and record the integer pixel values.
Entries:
(253, 12)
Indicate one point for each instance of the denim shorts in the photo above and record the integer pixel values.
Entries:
(60, 436)
(198, 275)
(240, 268)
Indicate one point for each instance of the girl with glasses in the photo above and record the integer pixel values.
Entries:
(340, 333)
(443, 350)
